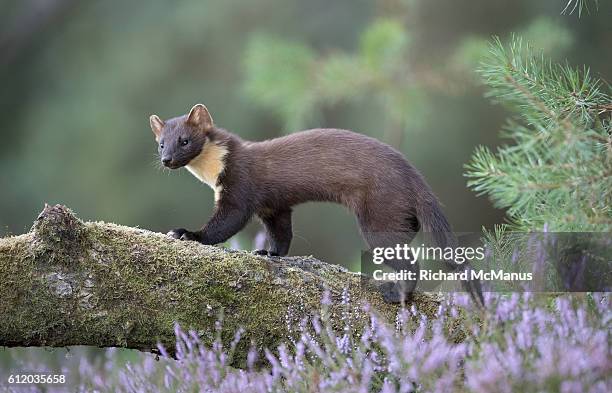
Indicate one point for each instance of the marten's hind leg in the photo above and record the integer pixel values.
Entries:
(388, 229)
(279, 231)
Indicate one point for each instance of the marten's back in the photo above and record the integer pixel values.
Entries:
(330, 165)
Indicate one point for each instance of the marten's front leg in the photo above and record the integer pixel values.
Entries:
(227, 220)
(278, 228)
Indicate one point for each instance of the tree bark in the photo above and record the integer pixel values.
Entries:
(68, 282)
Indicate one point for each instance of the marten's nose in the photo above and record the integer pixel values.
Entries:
(166, 161)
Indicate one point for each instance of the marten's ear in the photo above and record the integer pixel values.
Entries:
(200, 117)
(156, 125)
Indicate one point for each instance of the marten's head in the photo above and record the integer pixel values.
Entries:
(182, 138)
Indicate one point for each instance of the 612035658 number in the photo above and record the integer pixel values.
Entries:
(36, 378)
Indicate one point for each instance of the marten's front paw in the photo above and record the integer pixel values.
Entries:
(193, 236)
(177, 233)
(182, 234)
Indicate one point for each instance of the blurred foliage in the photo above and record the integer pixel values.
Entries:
(81, 78)
(285, 66)
(376, 74)
(550, 37)
(293, 81)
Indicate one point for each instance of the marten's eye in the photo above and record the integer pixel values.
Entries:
(184, 142)
(161, 145)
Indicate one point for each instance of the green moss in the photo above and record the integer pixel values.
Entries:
(69, 282)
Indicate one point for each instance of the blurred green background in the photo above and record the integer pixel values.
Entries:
(80, 78)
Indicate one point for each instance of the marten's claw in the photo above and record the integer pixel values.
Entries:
(190, 236)
(260, 252)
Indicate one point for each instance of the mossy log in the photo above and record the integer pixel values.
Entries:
(68, 282)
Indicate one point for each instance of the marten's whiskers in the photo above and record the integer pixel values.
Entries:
(159, 166)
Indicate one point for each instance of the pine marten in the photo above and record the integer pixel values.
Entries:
(266, 179)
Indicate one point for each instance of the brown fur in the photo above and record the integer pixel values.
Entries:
(334, 166)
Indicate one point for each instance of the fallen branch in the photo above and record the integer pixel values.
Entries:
(68, 282)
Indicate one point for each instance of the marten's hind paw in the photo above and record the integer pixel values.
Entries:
(392, 292)
(266, 253)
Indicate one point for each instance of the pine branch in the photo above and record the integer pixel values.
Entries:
(559, 161)
(580, 5)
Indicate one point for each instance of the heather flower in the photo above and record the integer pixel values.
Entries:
(522, 344)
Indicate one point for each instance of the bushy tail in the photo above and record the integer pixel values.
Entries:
(435, 225)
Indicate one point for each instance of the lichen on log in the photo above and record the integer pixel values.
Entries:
(68, 282)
